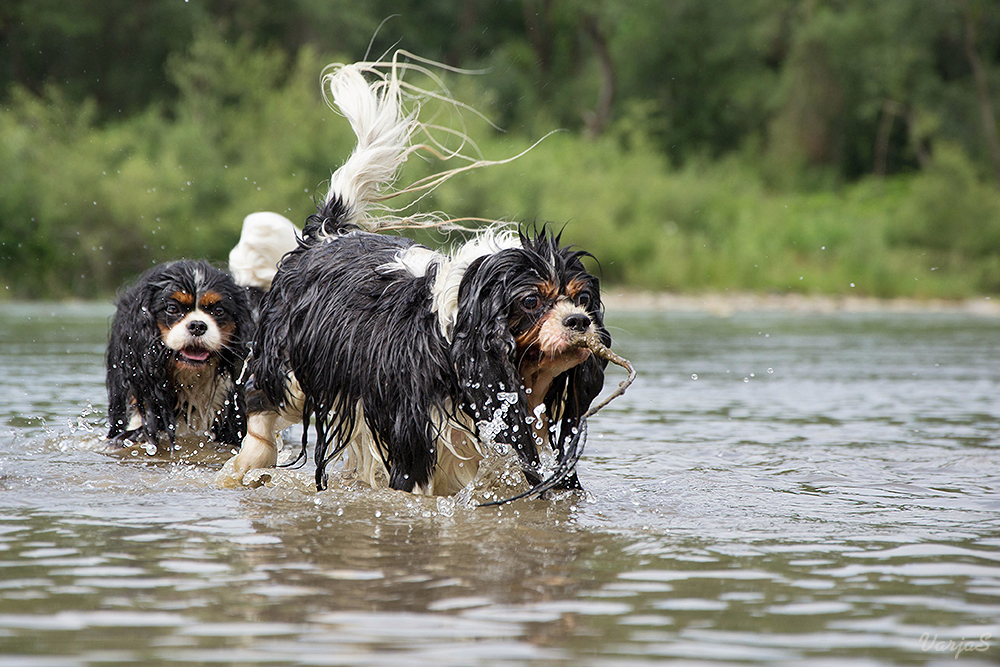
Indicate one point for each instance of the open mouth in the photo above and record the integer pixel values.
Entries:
(194, 355)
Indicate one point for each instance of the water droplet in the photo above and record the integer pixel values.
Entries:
(770, 370)
(694, 376)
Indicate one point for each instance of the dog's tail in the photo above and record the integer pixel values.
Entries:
(383, 111)
(384, 131)
(265, 238)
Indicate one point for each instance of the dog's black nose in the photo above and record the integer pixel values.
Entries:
(197, 327)
(576, 322)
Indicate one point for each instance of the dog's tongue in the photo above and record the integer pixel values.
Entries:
(195, 354)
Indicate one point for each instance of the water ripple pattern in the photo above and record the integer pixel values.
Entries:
(774, 489)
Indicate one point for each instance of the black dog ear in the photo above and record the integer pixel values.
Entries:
(570, 397)
(120, 362)
(234, 354)
(483, 352)
(230, 425)
(137, 366)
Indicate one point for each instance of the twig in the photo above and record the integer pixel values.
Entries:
(593, 341)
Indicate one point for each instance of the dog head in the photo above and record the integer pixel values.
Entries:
(520, 311)
(526, 306)
(552, 302)
(180, 324)
(201, 316)
(181, 317)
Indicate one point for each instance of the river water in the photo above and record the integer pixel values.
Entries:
(774, 489)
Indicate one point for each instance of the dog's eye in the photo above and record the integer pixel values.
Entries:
(583, 300)
(173, 309)
(531, 302)
(217, 311)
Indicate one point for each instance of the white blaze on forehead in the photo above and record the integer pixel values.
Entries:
(444, 292)
(179, 337)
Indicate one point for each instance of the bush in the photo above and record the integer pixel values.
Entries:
(85, 206)
(91, 206)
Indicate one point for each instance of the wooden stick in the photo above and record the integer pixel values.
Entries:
(593, 341)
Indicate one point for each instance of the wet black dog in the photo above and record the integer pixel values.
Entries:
(177, 346)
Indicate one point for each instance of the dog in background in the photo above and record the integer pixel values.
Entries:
(413, 362)
(177, 346)
(180, 338)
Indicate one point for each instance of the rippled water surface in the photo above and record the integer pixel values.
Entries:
(773, 489)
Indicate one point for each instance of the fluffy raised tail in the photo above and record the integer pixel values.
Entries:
(383, 111)
(384, 130)
(265, 238)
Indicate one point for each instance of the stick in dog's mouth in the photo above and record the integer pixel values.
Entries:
(574, 449)
(591, 340)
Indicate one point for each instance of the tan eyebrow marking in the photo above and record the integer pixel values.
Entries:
(182, 297)
(574, 287)
(548, 289)
(209, 299)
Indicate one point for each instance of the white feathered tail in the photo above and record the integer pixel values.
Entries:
(383, 111)
(384, 131)
(265, 238)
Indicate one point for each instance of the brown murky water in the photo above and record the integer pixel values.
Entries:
(773, 489)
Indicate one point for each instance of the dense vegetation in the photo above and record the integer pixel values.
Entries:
(836, 146)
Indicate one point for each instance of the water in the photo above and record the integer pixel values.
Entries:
(825, 492)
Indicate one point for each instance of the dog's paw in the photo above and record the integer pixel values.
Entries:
(241, 471)
(258, 477)
(228, 477)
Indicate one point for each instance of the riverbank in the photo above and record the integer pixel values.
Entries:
(723, 304)
(728, 303)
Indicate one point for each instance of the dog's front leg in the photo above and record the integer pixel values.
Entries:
(259, 448)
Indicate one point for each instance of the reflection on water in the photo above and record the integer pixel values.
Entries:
(826, 491)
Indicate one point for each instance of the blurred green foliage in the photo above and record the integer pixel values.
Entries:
(834, 146)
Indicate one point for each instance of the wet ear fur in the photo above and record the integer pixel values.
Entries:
(483, 351)
(570, 397)
(137, 367)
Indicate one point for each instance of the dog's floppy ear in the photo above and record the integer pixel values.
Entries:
(570, 397)
(120, 362)
(234, 354)
(231, 424)
(137, 365)
(483, 351)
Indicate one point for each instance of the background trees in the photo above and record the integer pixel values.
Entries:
(136, 130)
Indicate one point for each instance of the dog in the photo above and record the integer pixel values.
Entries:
(177, 346)
(413, 362)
